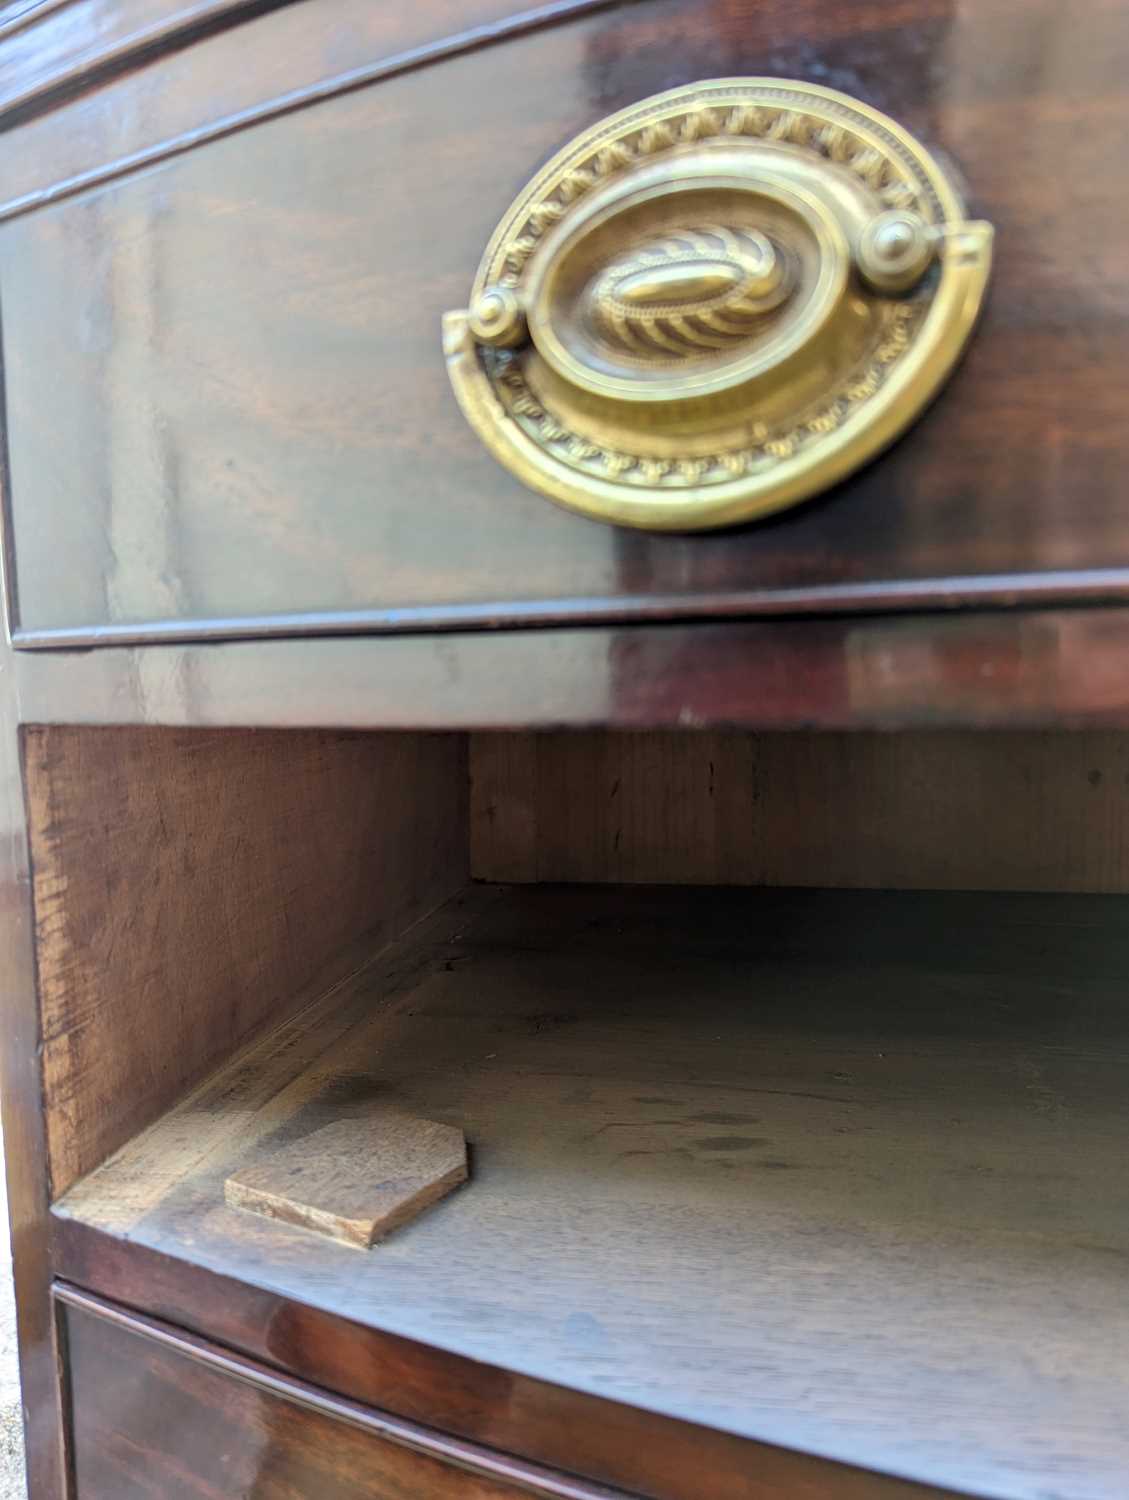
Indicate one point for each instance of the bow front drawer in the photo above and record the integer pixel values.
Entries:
(157, 1412)
(226, 251)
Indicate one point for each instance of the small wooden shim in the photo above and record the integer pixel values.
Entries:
(355, 1180)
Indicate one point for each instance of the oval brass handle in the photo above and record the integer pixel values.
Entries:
(716, 304)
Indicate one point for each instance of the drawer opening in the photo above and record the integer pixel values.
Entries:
(829, 1169)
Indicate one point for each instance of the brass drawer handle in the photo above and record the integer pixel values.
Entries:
(717, 303)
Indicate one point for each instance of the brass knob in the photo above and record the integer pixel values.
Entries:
(717, 303)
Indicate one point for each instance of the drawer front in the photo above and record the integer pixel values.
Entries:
(228, 410)
(156, 1413)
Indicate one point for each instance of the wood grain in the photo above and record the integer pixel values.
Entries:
(277, 295)
(225, 399)
(155, 1412)
(188, 888)
(25, 1133)
(941, 811)
(354, 1180)
(654, 1455)
(817, 1169)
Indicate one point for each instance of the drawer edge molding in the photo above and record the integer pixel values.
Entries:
(452, 1451)
(36, 10)
(1089, 588)
(144, 46)
(626, 1449)
(117, 54)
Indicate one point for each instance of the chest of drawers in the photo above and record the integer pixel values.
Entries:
(560, 583)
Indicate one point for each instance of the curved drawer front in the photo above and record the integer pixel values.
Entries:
(228, 408)
(156, 1412)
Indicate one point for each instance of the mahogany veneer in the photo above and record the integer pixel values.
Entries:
(807, 1195)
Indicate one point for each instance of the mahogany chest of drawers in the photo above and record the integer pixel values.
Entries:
(566, 579)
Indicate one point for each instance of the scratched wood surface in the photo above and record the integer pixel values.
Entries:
(276, 296)
(188, 887)
(355, 1180)
(972, 811)
(831, 1170)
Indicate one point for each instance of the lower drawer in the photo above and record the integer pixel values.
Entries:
(156, 1413)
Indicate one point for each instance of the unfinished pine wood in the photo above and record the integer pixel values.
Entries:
(833, 1170)
(190, 885)
(355, 1180)
(1021, 811)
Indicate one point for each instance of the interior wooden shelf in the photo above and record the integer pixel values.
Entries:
(840, 1171)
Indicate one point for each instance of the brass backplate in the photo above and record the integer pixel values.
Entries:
(717, 303)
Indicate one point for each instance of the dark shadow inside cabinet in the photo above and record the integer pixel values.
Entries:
(791, 1067)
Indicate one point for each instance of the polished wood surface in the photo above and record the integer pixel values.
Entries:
(157, 1413)
(1063, 669)
(77, 89)
(190, 887)
(655, 1455)
(821, 1169)
(227, 232)
(276, 294)
(51, 48)
(938, 811)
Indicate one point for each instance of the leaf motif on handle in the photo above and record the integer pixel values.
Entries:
(692, 292)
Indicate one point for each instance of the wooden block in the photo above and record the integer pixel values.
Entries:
(355, 1180)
